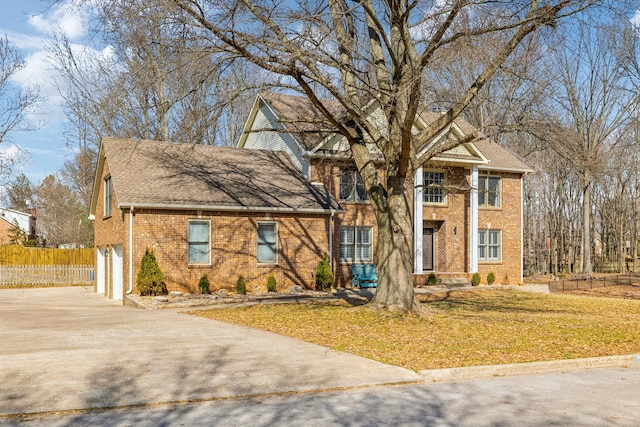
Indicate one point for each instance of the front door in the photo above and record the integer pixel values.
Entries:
(427, 249)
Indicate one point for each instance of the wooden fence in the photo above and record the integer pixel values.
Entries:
(21, 256)
(34, 275)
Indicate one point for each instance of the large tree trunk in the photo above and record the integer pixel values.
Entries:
(395, 254)
(586, 224)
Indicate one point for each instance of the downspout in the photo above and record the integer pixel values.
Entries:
(130, 250)
(522, 228)
(331, 238)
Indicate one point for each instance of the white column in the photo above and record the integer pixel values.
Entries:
(473, 221)
(417, 222)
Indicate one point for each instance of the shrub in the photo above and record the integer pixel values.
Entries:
(241, 285)
(204, 284)
(324, 274)
(432, 279)
(475, 279)
(150, 280)
(491, 277)
(271, 283)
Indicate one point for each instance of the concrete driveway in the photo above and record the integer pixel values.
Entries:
(64, 349)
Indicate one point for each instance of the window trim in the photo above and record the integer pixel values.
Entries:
(108, 196)
(485, 194)
(357, 181)
(484, 234)
(355, 245)
(189, 242)
(444, 195)
(275, 243)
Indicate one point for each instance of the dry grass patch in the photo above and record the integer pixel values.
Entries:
(465, 329)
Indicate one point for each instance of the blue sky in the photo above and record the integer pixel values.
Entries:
(28, 24)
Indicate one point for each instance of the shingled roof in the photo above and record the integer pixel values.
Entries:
(304, 122)
(301, 118)
(167, 175)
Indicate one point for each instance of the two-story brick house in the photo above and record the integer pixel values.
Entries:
(468, 210)
(285, 196)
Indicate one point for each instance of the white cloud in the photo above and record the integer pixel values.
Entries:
(71, 20)
(636, 19)
(25, 41)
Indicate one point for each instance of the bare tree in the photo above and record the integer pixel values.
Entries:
(14, 105)
(152, 78)
(19, 194)
(61, 214)
(591, 103)
(356, 52)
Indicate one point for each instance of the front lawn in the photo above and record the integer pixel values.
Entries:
(465, 328)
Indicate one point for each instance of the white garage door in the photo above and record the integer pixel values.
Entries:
(118, 280)
(100, 272)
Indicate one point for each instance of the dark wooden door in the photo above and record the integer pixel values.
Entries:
(427, 249)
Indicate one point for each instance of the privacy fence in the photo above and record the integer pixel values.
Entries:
(576, 284)
(37, 266)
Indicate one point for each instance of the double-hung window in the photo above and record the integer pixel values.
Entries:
(352, 186)
(199, 242)
(267, 242)
(434, 191)
(489, 191)
(489, 245)
(356, 244)
(107, 196)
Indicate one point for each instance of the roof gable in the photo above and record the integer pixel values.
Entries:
(302, 120)
(182, 176)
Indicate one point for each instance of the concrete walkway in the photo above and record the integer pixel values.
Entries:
(63, 349)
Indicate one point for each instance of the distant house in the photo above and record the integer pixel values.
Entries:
(209, 210)
(468, 210)
(9, 218)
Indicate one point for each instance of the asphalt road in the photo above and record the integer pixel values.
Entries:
(602, 397)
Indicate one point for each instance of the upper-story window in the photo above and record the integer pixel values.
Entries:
(434, 191)
(352, 186)
(107, 196)
(489, 191)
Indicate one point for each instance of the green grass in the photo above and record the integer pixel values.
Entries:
(463, 329)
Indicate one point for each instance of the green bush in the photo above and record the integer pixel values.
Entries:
(491, 277)
(271, 283)
(241, 286)
(204, 284)
(432, 279)
(150, 280)
(324, 274)
(475, 279)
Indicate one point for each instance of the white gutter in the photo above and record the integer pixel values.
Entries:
(130, 250)
(127, 205)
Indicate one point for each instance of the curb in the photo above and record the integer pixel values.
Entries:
(531, 368)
